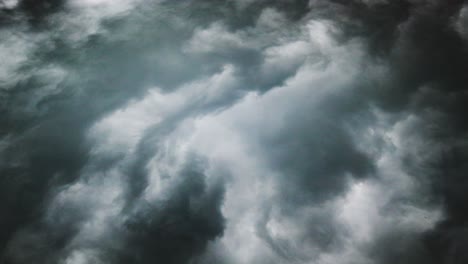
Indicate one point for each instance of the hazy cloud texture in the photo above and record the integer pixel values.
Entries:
(233, 132)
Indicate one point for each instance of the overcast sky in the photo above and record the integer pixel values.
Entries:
(233, 132)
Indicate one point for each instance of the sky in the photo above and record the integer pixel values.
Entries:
(233, 132)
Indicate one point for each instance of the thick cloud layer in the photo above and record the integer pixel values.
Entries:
(232, 132)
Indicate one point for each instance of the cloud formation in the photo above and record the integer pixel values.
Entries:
(239, 131)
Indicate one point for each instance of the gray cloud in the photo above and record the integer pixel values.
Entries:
(233, 131)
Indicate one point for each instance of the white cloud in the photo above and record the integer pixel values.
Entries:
(9, 4)
(122, 130)
(14, 51)
(230, 138)
(461, 22)
(216, 39)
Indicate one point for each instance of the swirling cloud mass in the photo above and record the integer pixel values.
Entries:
(233, 132)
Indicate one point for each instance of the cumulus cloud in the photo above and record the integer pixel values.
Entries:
(289, 131)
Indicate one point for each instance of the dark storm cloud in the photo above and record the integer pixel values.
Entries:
(233, 131)
(427, 63)
(190, 217)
